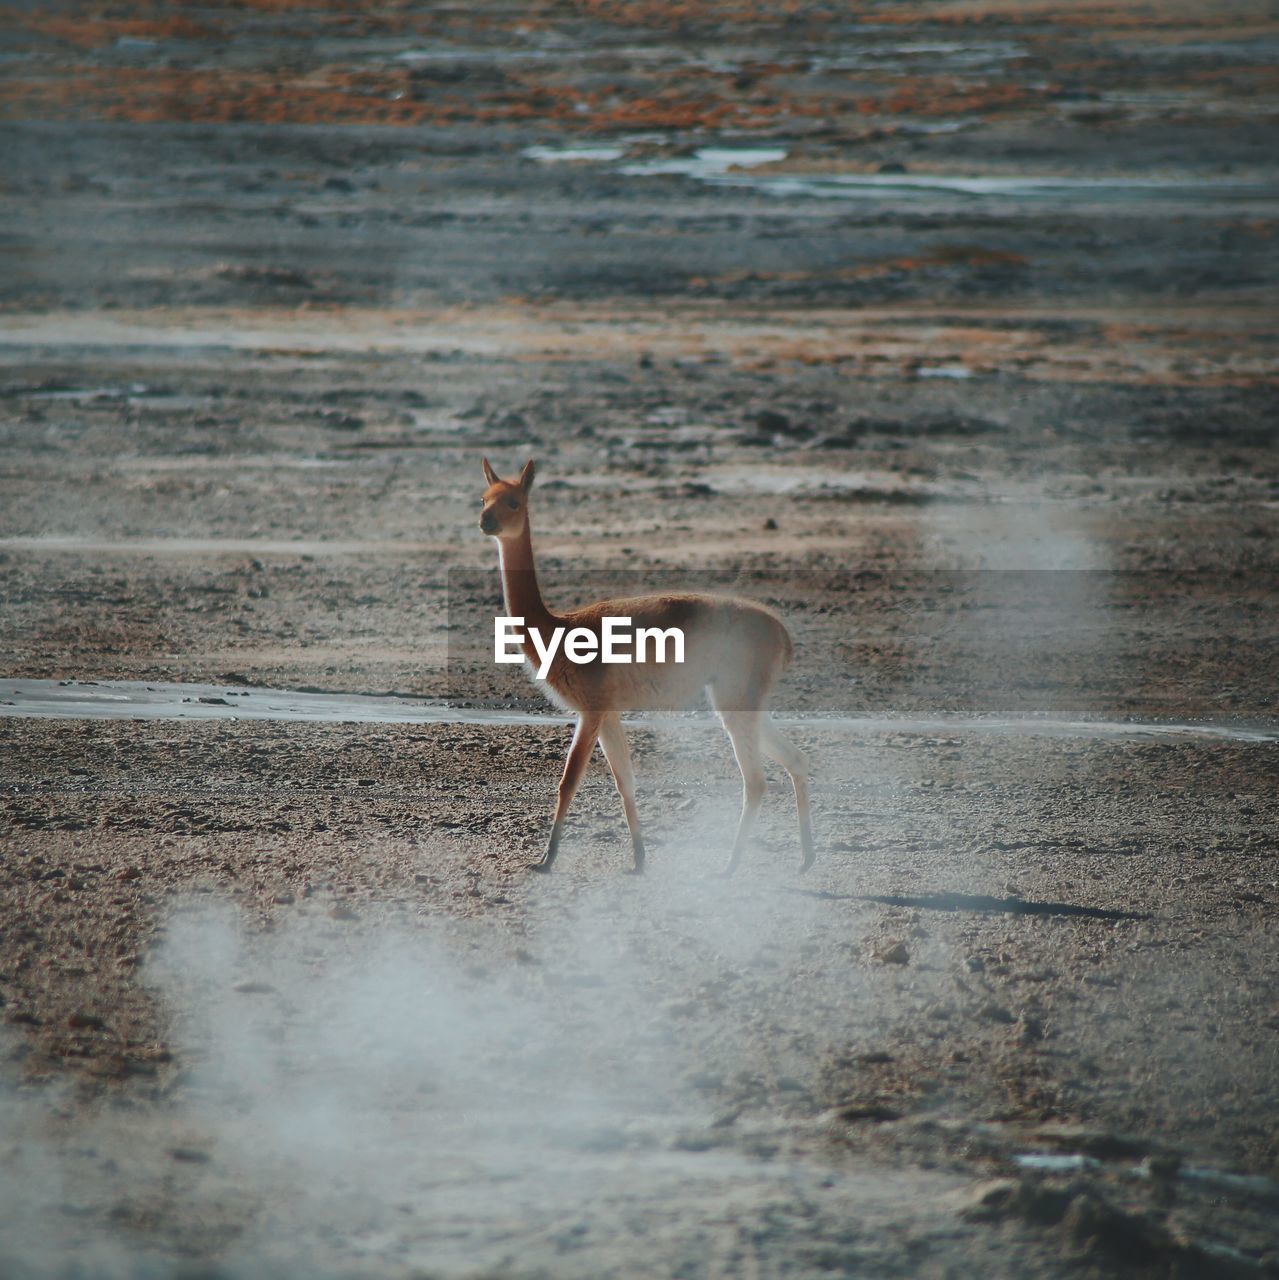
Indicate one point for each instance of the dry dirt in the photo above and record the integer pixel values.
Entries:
(964, 359)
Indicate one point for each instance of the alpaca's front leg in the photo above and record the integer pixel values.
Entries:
(579, 754)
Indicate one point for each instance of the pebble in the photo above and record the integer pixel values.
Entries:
(893, 951)
(81, 1021)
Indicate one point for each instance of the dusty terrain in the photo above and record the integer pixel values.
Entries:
(949, 330)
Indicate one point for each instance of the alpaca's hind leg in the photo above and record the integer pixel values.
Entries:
(743, 731)
(618, 754)
(579, 755)
(792, 759)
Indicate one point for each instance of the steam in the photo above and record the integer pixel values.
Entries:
(439, 1095)
(353, 1072)
(1022, 532)
(1037, 592)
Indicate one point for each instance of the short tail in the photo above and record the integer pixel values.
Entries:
(788, 645)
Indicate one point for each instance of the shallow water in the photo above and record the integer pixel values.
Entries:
(733, 166)
(1052, 1163)
(922, 186)
(89, 545)
(558, 155)
(159, 700)
(949, 55)
(708, 162)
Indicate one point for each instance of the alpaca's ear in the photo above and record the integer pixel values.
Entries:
(489, 474)
(526, 476)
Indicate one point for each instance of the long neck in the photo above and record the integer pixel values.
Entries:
(519, 579)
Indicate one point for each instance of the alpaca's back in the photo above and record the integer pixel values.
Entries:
(735, 647)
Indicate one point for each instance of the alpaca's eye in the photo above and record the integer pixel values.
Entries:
(513, 503)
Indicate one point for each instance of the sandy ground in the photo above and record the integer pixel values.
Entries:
(948, 331)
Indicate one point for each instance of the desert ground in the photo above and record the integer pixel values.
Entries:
(946, 329)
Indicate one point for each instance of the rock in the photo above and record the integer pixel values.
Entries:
(336, 420)
(995, 1012)
(1103, 1227)
(987, 1201)
(695, 1142)
(892, 166)
(876, 1112)
(1102, 1144)
(81, 1021)
(772, 420)
(1039, 1203)
(998, 1198)
(511, 420)
(284, 276)
(892, 951)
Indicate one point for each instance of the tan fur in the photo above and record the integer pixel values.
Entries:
(735, 649)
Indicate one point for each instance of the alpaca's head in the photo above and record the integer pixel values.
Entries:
(504, 511)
